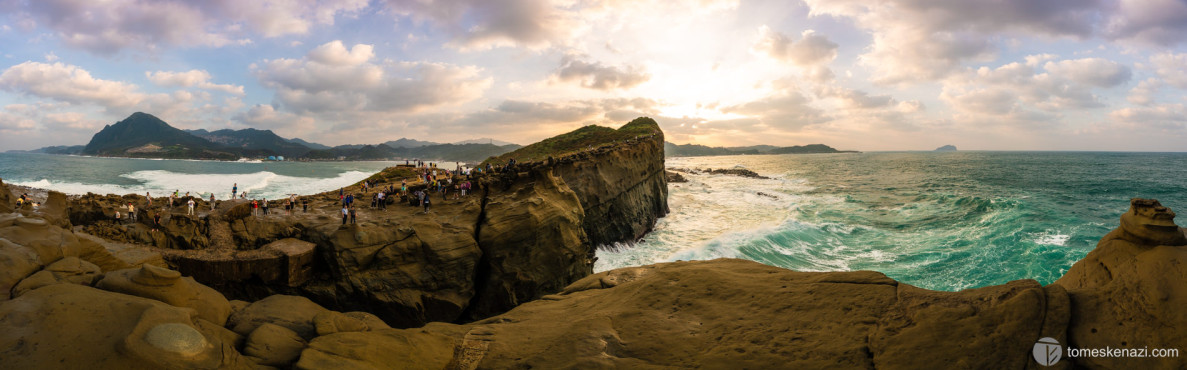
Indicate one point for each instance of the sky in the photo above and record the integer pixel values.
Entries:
(868, 75)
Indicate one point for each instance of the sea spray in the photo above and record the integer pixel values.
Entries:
(949, 222)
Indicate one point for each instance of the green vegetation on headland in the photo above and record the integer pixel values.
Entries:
(587, 137)
(694, 150)
(143, 135)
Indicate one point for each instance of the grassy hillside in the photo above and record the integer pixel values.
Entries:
(577, 140)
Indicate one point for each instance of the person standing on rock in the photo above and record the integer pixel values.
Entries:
(132, 212)
(191, 207)
(156, 221)
(345, 214)
(426, 202)
(305, 205)
(149, 198)
(212, 201)
(234, 190)
(264, 204)
(118, 220)
(352, 215)
(255, 206)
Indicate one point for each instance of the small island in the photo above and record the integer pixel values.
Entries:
(946, 148)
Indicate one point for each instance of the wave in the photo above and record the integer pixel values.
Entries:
(263, 184)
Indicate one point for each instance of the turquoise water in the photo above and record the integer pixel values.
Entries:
(80, 175)
(946, 221)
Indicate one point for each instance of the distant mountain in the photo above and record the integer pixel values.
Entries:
(694, 150)
(408, 143)
(144, 135)
(485, 140)
(58, 149)
(253, 142)
(308, 144)
(946, 148)
(438, 152)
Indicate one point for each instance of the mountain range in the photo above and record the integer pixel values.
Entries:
(143, 135)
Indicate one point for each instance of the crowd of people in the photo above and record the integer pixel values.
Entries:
(430, 182)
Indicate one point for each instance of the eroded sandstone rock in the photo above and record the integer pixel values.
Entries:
(169, 286)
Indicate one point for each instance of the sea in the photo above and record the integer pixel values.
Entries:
(938, 220)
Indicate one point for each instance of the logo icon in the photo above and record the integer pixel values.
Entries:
(1047, 351)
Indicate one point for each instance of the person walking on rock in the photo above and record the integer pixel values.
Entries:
(156, 221)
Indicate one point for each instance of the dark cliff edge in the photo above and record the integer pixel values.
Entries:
(526, 231)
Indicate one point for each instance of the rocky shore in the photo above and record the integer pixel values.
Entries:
(70, 302)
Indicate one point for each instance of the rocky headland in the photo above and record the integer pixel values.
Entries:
(524, 231)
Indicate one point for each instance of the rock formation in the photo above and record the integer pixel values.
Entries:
(724, 313)
(469, 258)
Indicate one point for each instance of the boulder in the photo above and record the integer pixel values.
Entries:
(7, 203)
(274, 345)
(1129, 291)
(389, 348)
(16, 264)
(291, 312)
(170, 287)
(69, 326)
(56, 210)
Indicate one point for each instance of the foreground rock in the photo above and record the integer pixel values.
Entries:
(723, 313)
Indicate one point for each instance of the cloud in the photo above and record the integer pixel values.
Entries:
(1144, 93)
(1165, 117)
(811, 49)
(108, 27)
(1158, 22)
(1091, 71)
(1171, 68)
(15, 120)
(68, 83)
(335, 54)
(926, 40)
(192, 78)
(484, 24)
(595, 75)
(267, 117)
(786, 110)
(332, 82)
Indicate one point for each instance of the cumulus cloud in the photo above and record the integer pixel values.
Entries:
(1091, 71)
(810, 49)
(1144, 93)
(334, 82)
(926, 40)
(483, 24)
(1167, 117)
(15, 119)
(787, 110)
(335, 54)
(108, 27)
(267, 117)
(68, 83)
(1024, 92)
(1160, 22)
(595, 75)
(192, 78)
(1171, 68)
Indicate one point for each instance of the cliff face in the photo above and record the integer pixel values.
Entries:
(622, 188)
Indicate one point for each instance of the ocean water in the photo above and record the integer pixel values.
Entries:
(945, 221)
(272, 180)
